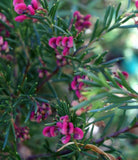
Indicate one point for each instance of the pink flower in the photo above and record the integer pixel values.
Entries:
(50, 131)
(64, 118)
(87, 17)
(78, 133)
(53, 131)
(21, 18)
(15, 2)
(78, 94)
(20, 8)
(82, 22)
(136, 4)
(67, 42)
(59, 41)
(34, 4)
(1, 40)
(87, 24)
(31, 9)
(46, 131)
(5, 46)
(70, 127)
(66, 139)
(77, 15)
(52, 42)
(65, 51)
(64, 128)
(125, 74)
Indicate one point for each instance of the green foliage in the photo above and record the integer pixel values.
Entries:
(109, 96)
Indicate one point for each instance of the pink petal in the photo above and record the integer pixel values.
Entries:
(59, 41)
(65, 51)
(71, 127)
(59, 124)
(20, 8)
(73, 85)
(31, 10)
(21, 18)
(125, 74)
(1, 40)
(64, 41)
(78, 94)
(87, 17)
(34, 4)
(70, 42)
(66, 139)
(136, 4)
(78, 133)
(77, 15)
(64, 118)
(15, 2)
(5, 46)
(52, 42)
(46, 131)
(64, 128)
(87, 24)
(53, 131)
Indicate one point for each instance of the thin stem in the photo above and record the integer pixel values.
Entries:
(115, 134)
(47, 79)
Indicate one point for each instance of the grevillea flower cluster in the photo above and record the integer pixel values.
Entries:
(43, 111)
(22, 9)
(77, 85)
(2, 27)
(22, 132)
(83, 109)
(126, 75)
(4, 48)
(42, 73)
(82, 22)
(61, 43)
(65, 128)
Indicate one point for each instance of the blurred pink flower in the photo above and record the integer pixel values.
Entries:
(78, 133)
(52, 42)
(136, 4)
(34, 4)
(21, 18)
(20, 8)
(15, 2)
(31, 9)
(66, 139)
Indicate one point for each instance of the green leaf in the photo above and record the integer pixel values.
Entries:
(125, 84)
(117, 11)
(6, 136)
(129, 26)
(53, 10)
(110, 17)
(128, 107)
(106, 15)
(87, 102)
(94, 30)
(88, 154)
(41, 99)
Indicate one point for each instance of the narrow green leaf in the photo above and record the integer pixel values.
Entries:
(125, 84)
(117, 11)
(94, 30)
(93, 98)
(6, 136)
(53, 10)
(128, 107)
(106, 15)
(110, 17)
(129, 26)
(88, 154)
